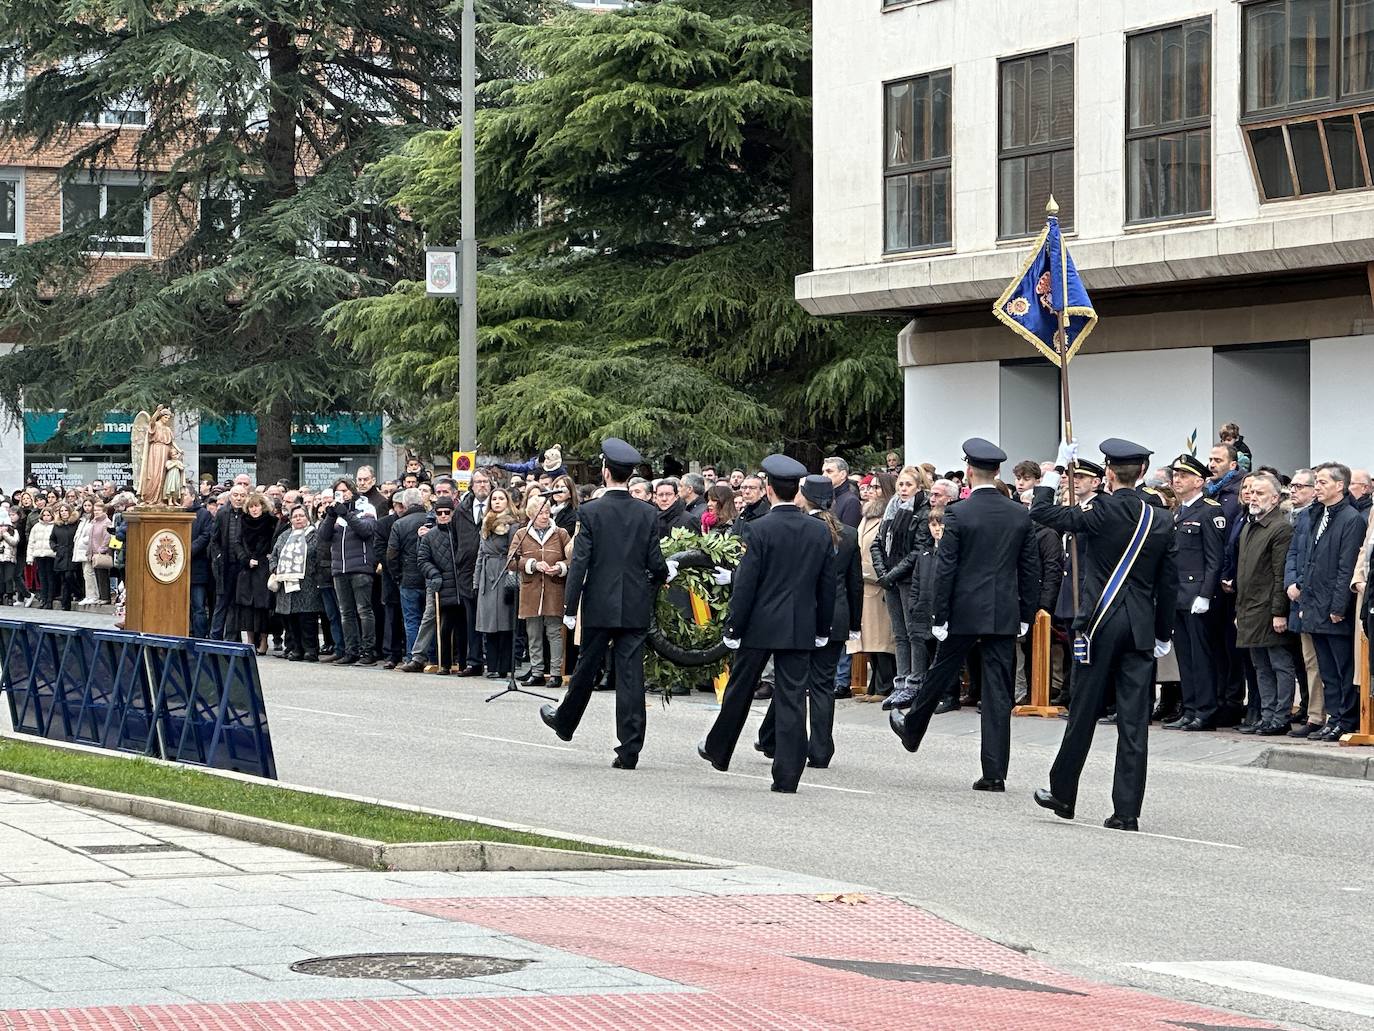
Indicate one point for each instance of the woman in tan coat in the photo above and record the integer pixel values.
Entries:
(875, 638)
(539, 554)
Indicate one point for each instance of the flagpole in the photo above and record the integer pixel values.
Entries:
(1061, 342)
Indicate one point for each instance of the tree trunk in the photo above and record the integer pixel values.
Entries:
(274, 443)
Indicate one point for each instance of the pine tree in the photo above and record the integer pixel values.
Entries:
(645, 202)
(248, 126)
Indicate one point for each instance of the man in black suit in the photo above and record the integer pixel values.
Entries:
(1127, 618)
(617, 568)
(783, 604)
(818, 493)
(987, 588)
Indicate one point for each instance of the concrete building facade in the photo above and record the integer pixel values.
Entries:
(1212, 160)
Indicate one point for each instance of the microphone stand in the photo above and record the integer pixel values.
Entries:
(512, 685)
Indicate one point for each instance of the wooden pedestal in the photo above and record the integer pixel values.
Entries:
(157, 571)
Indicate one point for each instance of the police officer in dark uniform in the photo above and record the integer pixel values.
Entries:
(1127, 628)
(616, 570)
(1087, 485)
(1200, 536)
(783, 604)
(818, 493)
(987, 588)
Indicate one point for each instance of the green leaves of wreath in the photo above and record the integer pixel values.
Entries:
(682, 654)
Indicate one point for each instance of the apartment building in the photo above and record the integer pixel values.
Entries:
(1213, 161)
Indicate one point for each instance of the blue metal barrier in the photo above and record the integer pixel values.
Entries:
(178, 698)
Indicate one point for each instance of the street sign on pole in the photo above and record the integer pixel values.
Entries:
(442, 274)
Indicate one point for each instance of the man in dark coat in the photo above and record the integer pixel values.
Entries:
(783, 605)
(617, 568)
(818, 494)
(223, 563)
(1126, 622)
(1326, 604)
(672, 510)
(403, 562)
(1262, 605)
(847, 507)
(987, 587)
(754, 504)
(202, 533)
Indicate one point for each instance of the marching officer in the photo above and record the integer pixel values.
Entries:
(1126, 623)
(987, 588)
(817, 495)
(784, 605)
(617, 567)
(1200, 535)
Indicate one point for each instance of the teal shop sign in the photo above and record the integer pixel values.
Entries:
(41, 427)
(331, 429)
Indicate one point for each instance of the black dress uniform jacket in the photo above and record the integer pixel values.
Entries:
(849, 586)
(987, 574)
(1200, 533)
(617, 564)
(784, 589)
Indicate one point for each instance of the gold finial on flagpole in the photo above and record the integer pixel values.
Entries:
(1052, 207)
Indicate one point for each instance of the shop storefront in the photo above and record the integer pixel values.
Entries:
(52, 459)
(326, 446)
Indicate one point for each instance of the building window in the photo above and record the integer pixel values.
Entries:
(126, 109)
(11, 78)
(122, 207)
(1309, 95)
(11, 210)
(916, 163)
(1035, 152)
(1169, 122)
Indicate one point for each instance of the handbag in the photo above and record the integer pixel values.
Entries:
(102, 560)
(272, 582)
(510, 585)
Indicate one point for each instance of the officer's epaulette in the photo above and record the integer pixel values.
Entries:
(1151, 490)
(1211, 501)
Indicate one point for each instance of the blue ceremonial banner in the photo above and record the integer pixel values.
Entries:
(1048, 286)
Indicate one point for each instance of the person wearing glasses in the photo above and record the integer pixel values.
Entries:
(564, 504)
(754, 504)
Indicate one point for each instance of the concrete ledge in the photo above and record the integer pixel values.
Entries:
(462, 856)
(1320, 762)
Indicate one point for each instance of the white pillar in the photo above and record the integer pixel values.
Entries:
(388, 466)
(947, 404)
(1342, 428)
(12, 455)
(186, 436)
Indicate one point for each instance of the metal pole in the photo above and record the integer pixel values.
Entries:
(1061, 340)
(467, 319)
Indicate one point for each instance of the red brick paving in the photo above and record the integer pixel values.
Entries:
(738, 951)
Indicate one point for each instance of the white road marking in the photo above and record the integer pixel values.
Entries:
(1172, 837)
(1276, 982)
(318, 712)
(513, 741)
(809, 783)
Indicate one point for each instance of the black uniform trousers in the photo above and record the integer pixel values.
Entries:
(626, 662)
(791, 675)
(1115, 661)
(820, 739)
(998, 662)
(1197, 669)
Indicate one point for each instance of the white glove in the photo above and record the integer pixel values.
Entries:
(570, 622)
(854, 635)
(730, 642)
(672, 569)
(1200, 605)
(1162, 648)
(1068, 451)
(1021, 629)
(722, 576)
(821, 642)
(940, 632)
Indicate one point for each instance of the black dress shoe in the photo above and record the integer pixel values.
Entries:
(1108, 720)
(1197, 723)
(988, 784)
(549, 714)
(897, 722)
(1047, 801)
(470, 671)
(1121, 823)
(1305, 730)
(758, 747)
(947, 705)
(842, 693)
(493, 675)
(1248, 728)
(1157, 713)
(1179, 723)
(624, 764)
(531, 676)
(764, 692)
(554, 682)
(1273, 729)
(701, 751)
(782, 790)
(818, 766)
(390, 664)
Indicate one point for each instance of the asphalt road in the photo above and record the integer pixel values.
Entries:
(1236, 864)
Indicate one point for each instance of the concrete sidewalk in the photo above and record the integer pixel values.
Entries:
(112, 923)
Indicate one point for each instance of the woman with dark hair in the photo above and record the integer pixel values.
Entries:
(66, 570)
(251, 540)
(565, 502)
(875, 642)
(43, 556)
(904, 534)
(293, 563)
(720, 514)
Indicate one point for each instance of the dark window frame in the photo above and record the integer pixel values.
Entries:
(1364, 140)
(896, 171)
(1069, 145)
(1339, 101)
(1185, 125)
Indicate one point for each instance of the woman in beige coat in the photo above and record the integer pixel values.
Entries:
(539, 555)
(875, 638)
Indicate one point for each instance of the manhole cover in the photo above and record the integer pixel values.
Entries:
(408, 966)
(128, 850)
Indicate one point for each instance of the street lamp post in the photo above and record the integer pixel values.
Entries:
(467, 318)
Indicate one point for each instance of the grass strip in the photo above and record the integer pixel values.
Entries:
(138, 776)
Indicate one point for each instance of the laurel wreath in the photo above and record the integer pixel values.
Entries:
(683, 654)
